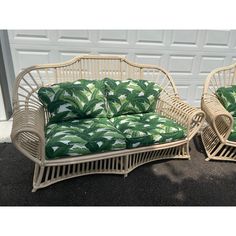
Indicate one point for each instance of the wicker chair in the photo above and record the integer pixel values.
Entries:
(29, 118)
(220, 122)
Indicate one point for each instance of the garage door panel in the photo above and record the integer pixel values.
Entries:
(31, 35)
(217, 38)
(181, 64)
(113, 38)
(209, 63)
(74, 37)
(68, 55)
(150, 37)
(154, 59)
(185, 38)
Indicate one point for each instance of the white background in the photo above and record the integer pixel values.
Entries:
(189, 55)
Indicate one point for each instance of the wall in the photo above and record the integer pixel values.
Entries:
(2, 108)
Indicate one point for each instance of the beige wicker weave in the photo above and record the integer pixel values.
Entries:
(220, 121)
(30, 118)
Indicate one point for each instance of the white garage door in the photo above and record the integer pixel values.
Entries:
(189, 55)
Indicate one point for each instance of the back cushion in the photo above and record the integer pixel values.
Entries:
(227, 97)
(70, 100)
(131, 96)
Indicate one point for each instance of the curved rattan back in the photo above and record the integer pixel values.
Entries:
(220, 77)
(85, 67)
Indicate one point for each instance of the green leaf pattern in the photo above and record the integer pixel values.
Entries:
(93, 116)
(227, 97)
(80, 99)
(81, 137)
(131, 96)
(232, 136)
(148, 128)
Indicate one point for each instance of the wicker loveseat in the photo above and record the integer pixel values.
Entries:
(109, 140)
(219, 104)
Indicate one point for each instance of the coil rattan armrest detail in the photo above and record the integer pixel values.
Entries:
(219, 120)
(28, 133)
(29, 118)
(190, 117)
(217, 116)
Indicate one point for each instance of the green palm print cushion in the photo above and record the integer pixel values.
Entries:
(79, 99)
(227, 97)
(232, 136)
(131, 96)
(148, 128)
(81, 137)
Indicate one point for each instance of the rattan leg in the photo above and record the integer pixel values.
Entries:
(38, 175)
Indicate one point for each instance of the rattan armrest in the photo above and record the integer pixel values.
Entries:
(217, 116)
(28, 133)
(188, 116)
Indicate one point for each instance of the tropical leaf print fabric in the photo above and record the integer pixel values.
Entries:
(147, 129)
(227, 97)
(131, 96)
(232, 136)
(81, 137)
(80, 99)
(94, 116)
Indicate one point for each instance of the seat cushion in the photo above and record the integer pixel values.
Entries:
(148, 128)
(80, 99)
(131, 96)
(80, 137)
(227, 97)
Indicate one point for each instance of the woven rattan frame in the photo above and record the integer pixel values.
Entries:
(29, 118)
(220, 121)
